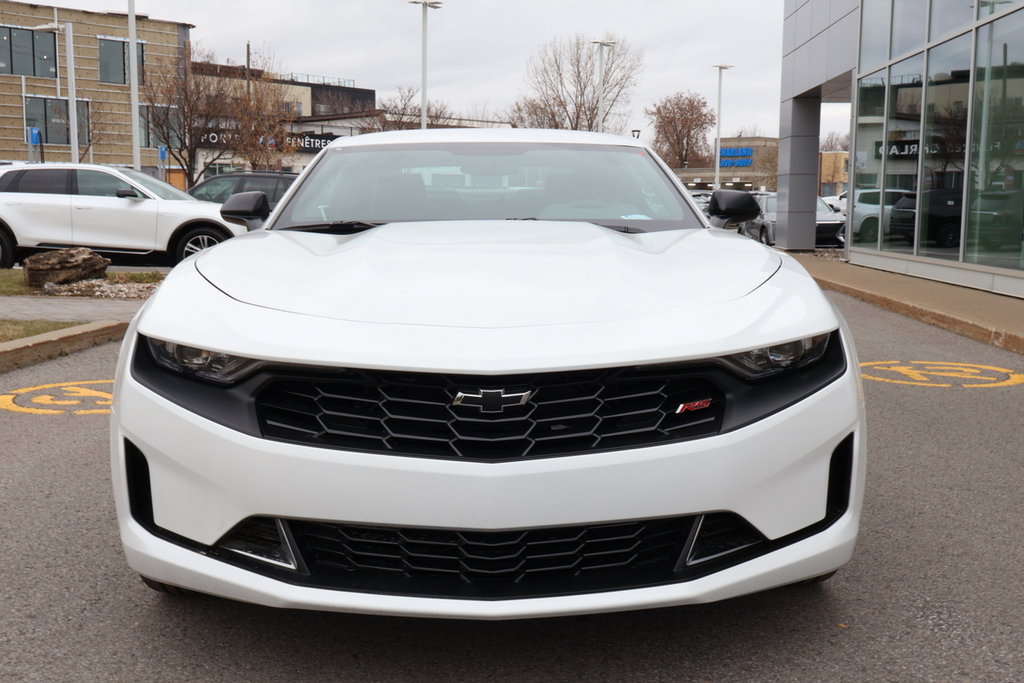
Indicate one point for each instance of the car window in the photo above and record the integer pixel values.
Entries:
(823, 207)
(771, 204)
(607, 184)
(893, 197)
(100, 184)
(43, 181)
(259, 184)
(282, 187)
(215, 189)
(868, 198)
(158, 187)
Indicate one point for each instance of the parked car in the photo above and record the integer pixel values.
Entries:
(219, 187)
(55, 206)
(867, 213)
(837, 202)
(941, 224)
(828, 223)
(998, 217)
(547, 389)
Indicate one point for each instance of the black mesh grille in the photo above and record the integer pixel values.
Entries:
(566, 412)
(493, 564)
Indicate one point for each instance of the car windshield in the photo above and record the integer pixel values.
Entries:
(823, 207)
(157, 187)
(618, 186)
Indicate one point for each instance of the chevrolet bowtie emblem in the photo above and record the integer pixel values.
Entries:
(492, 400)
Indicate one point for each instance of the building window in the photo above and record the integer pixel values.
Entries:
(28, 53)
(153, 118)
(940, 202)
(50, 116)
(114, 61)
(902, 151)
(996, 197)
(874, 32)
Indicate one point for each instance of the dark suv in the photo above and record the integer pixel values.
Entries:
(939, 224)
(220, 187)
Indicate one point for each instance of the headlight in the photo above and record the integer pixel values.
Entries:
(212, 366)
(771, 360)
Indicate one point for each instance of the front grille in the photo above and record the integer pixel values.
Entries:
(567, 412)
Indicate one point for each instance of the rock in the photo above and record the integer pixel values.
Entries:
(63, 266)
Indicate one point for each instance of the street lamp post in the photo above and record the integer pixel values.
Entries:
(718, 132)
(133, 77)
(601, 45)
(69, 42)
(426, 4)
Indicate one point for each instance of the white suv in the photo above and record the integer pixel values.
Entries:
(54, 206)
(487, 374)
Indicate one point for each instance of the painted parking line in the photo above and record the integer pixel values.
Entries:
(88, 397)
(941, 374)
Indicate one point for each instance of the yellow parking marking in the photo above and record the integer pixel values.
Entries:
(940, 374)
(61, 398)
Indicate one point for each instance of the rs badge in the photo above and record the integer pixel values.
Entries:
(693, 405)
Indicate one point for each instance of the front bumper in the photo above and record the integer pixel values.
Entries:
(205, 478)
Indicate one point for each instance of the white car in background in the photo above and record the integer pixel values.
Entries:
(837, 202)
(112, 210)
(487, 374)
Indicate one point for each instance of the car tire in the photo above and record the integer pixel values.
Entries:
(196, 240)
(6, 249)
(161, 587)
(949, 235)
(762, 236)
(869, 230)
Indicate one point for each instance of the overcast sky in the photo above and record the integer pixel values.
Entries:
(479, 49)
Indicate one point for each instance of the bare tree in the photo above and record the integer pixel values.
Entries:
(681, 125)
(259, 113)
(183, 111)
(565, 86)
(835, 141)
(402, 112)
(766, 167)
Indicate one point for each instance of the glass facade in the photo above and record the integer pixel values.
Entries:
(938, 164)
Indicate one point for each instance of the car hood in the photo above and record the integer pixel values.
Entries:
(487, 274)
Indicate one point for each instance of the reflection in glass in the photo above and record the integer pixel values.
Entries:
(902, 148)
(867, 161)
(908, 25)
(945, 149)
(949, 15)
(995, 226)
(874, 36)
(989, 7)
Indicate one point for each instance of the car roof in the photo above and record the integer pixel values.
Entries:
(452, 135)
(61, 166)
(236, 174)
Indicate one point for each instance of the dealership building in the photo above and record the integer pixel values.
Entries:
(936, 167)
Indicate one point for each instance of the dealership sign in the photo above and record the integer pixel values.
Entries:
(301, 142)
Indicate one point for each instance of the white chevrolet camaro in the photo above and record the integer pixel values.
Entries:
(487, 374)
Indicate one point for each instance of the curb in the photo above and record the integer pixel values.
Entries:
(21, 352)
(966, 328)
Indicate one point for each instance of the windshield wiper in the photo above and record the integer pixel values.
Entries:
(335, 227)
(611, 226)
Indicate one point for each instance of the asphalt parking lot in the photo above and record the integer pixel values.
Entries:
(933, 593)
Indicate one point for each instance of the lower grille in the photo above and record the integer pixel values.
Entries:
(501, 564)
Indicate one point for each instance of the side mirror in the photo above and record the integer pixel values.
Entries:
(728, 207)
(126, 193)
(246, 208)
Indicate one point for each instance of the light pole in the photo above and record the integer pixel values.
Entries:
(426, 4)
(133, 77)
(69, 42)
(718, 132)
(601, 45)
